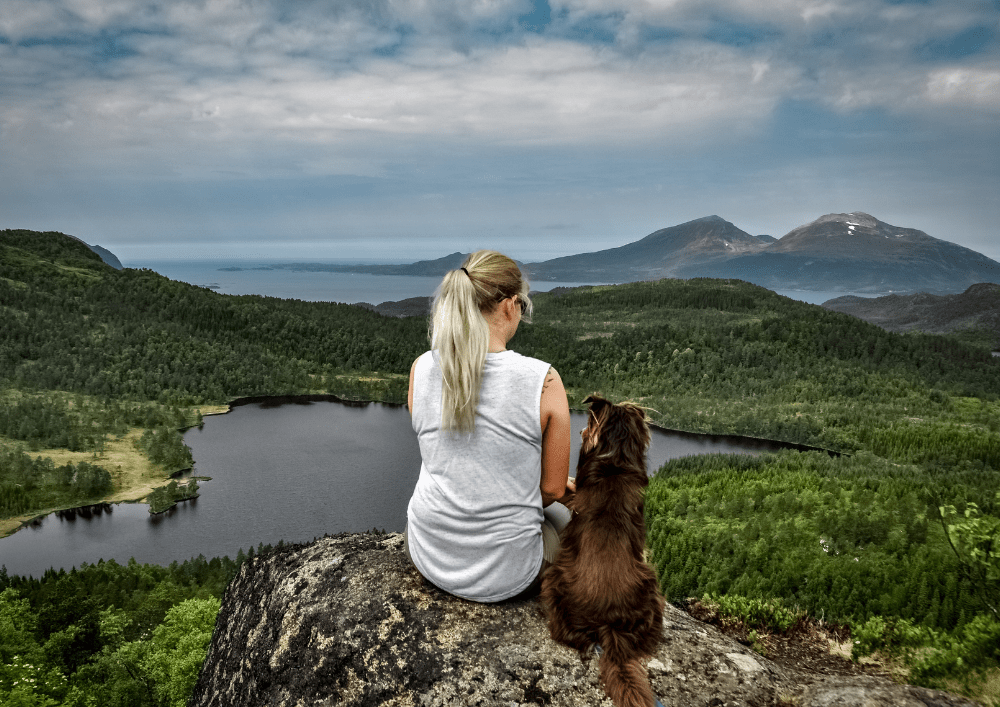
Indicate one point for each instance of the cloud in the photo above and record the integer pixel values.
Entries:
(972, 86)
(201, 92)
(427, 96)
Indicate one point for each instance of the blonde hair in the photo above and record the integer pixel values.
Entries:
(460, 334)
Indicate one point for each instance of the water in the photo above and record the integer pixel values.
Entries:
(292, 472)
(349, 288)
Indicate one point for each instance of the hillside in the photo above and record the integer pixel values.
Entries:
(100, 367)
(73, 323)
(92, 357)
(20, 235)
(976, 309)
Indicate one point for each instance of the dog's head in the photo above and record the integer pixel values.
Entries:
(617, 433)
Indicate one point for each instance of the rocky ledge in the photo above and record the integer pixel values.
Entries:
(347, 621)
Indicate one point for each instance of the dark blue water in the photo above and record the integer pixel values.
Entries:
(292, 472)
(252, 279)
(304, 285)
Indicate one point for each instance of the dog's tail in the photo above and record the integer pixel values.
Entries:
(622, 673)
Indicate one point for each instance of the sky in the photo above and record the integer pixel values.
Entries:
(399, 130)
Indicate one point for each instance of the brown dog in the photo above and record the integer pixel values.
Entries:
(600, 590)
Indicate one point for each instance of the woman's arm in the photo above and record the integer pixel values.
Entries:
(555, 439)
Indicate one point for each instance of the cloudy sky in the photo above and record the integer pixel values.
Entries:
(405, 129)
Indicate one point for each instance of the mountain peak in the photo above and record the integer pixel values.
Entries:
(855, 218)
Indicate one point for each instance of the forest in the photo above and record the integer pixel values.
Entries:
(893, 536)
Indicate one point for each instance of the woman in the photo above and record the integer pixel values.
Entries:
(494, 434)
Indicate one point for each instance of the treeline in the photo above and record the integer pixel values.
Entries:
(641, 333)
(706, 355)
(80, 423)
(39, 420)
(165, 447)
(28, 484)
(107, 634)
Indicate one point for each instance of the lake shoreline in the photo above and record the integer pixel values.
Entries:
(133, 474)
(137, 493)
(269, 401)
(290, 472)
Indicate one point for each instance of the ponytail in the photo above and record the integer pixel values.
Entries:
(460, 334)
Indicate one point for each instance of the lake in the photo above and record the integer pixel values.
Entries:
(290, 472)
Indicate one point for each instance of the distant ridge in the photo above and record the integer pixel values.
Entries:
(976, 308)
(107, 256)
(838, 252)
(422, 268)
(852, 252)
(410, 307)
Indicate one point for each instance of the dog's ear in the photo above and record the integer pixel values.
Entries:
(596, 417)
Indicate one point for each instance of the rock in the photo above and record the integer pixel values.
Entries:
(346, 620)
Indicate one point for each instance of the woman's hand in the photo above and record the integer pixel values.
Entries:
(570, 495)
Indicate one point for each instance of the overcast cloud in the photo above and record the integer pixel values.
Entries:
(404, 129)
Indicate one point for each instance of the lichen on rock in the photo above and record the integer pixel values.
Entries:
(346, 620)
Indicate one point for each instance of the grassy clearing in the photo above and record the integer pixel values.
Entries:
(205, 410)
(134, 476)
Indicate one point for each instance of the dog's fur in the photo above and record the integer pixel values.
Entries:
(600, 590)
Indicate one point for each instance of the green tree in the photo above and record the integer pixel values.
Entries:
(178, 648)
(26, 678)
(975, 539)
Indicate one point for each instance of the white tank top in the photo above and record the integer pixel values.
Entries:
(474, 522)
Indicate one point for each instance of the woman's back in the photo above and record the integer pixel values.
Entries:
(475, 517)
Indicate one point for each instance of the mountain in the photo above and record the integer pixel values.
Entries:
(663, 253)
(976, 308)
(857, 252)
(837, 252)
